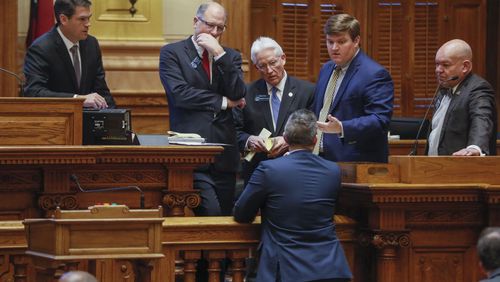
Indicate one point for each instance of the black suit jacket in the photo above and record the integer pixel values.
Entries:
(297, 94)
(471, 118)
(49, 71)
(195, 103)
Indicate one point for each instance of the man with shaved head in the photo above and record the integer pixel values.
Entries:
(77, 276)
(465, 117)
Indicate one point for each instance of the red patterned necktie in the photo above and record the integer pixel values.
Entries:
(206, 63)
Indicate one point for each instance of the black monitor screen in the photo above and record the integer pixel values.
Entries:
(407, 127)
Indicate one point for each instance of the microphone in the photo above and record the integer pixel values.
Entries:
(414, 149)
(19, 80)
(125, 188)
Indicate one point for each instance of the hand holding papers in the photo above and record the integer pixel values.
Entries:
(264, 134)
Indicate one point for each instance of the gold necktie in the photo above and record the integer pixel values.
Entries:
(327, 103)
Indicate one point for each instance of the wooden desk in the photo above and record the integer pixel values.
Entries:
(403, 147)
(36, 179)
(420, 217)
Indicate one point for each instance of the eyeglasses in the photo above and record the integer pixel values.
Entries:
(211, 26)
(272, 64)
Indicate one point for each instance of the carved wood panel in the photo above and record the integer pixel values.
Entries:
(438, 265)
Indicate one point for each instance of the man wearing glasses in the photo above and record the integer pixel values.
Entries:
(270, 101)
(203, 82)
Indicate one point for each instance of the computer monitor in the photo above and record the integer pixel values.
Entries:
(407, 127)
(107, 127)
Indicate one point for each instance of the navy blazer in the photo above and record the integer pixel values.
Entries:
(297, 194)
(195, 103)
(364, 105)
(471, 118)
(297, 94)
(49, 71)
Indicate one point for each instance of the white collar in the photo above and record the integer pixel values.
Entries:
(281, 84)
(66, 41)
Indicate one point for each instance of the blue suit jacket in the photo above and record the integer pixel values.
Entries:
(195, 103)
(363, 104)
(297, 195)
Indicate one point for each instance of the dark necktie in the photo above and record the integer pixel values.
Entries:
(206, 63)
(76, 63)
(275, 105)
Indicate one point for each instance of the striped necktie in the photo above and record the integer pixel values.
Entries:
(327, 103)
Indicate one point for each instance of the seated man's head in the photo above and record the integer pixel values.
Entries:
(488, 248)
(77, 276)
(300, 130)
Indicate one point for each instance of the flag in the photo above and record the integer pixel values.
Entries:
(41, 19)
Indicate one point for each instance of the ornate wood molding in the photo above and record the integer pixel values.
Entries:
(382, 239)
(49, 202)
(176, 201)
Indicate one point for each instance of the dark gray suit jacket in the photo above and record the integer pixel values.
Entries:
(195, 104)
(297, 94)
(471, 118)
(49, 71)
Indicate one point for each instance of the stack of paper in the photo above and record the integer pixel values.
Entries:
(177, 137)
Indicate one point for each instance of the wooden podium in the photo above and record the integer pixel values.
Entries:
(40, 121)
(101, 232)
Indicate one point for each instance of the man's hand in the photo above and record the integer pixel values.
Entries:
(279, 147)
(241, 103)
(94, 100)
(209, 43)
(256, 144)
(333, 125)
(467, 152)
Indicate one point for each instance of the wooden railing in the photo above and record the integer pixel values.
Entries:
(185, 240)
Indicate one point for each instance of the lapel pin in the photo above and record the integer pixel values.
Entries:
(290, 94)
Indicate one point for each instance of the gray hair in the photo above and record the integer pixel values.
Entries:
(301, 128)
(200, 13)
(488, 248)
(263, 43)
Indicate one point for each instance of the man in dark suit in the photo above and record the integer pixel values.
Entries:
(488, 249)
(465, 120)
(270, 101)
(355, 95)
(203, 82)
(66, 61)
(297, 203)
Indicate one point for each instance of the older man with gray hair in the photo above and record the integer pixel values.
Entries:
(270, 101)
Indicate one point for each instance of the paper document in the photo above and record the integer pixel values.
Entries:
(265, 134)
(184, 137)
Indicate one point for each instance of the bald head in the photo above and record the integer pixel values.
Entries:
(77, 276)
(453, 60)
(458, 49)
